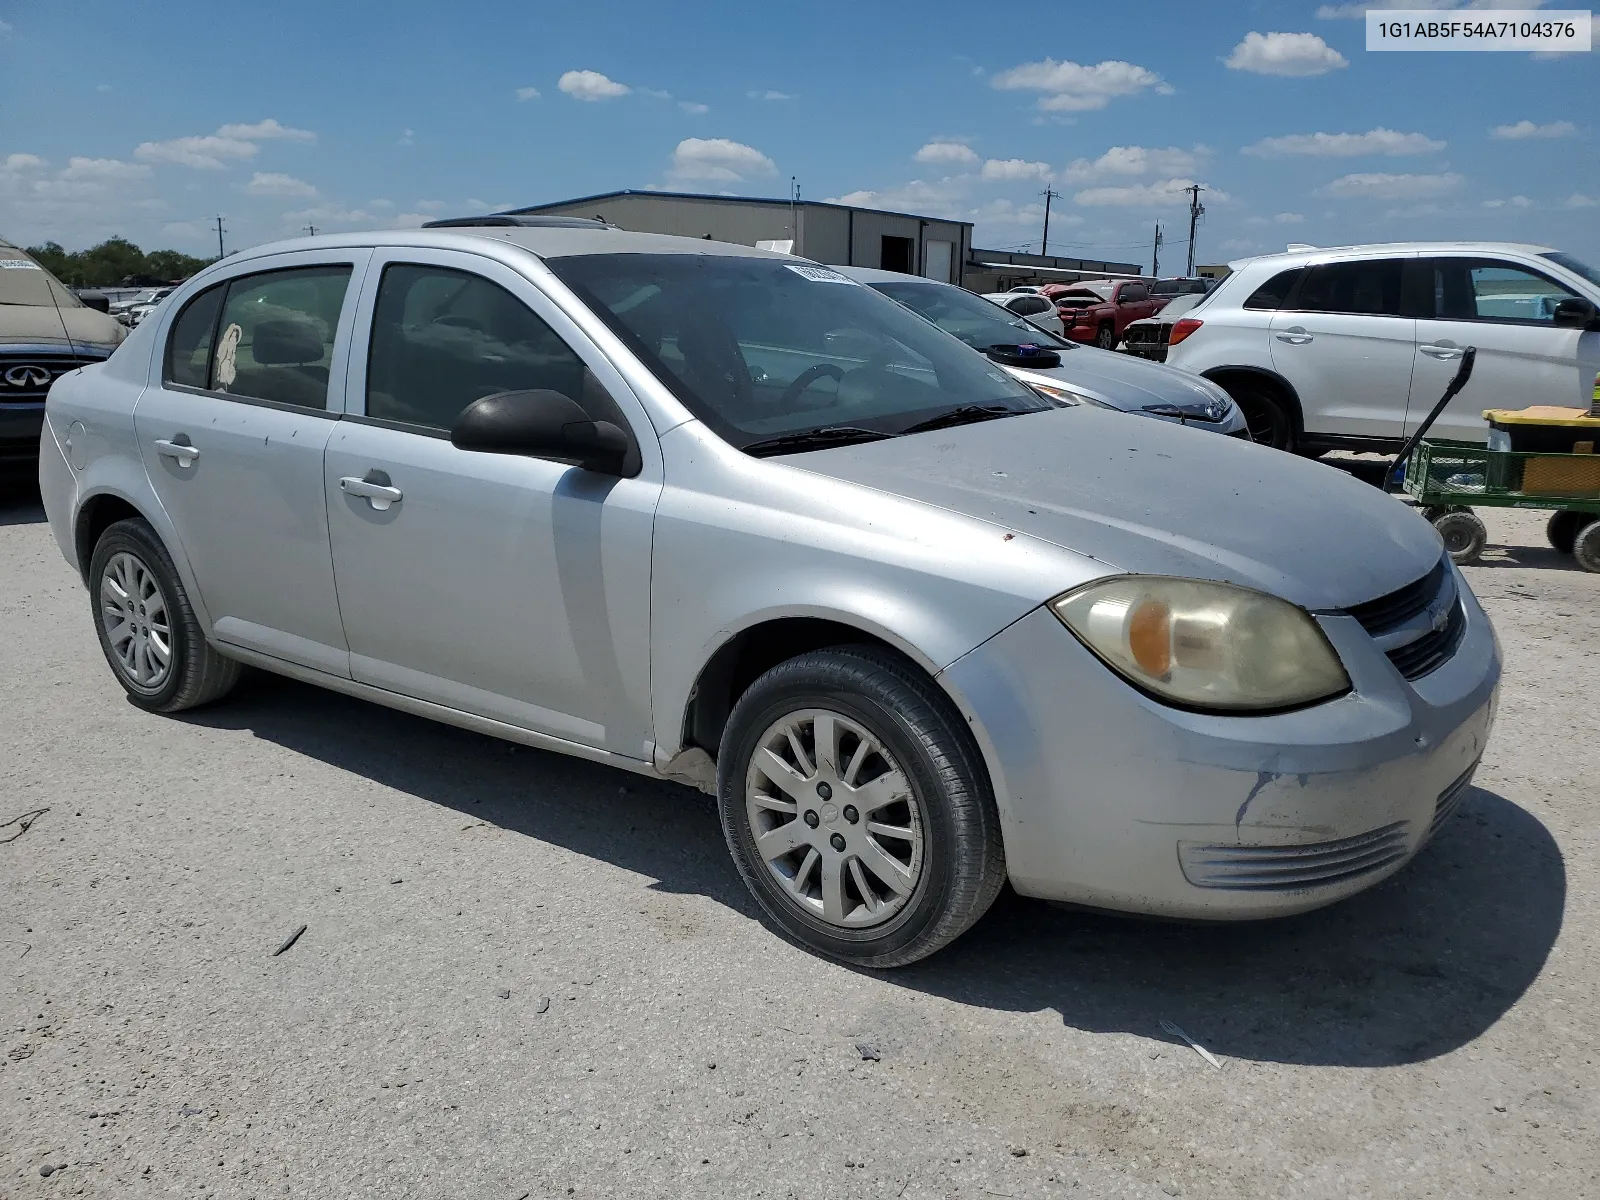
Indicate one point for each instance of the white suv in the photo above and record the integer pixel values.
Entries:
(1351, 347)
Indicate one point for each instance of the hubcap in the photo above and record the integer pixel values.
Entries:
(834, 819)
(134, 613)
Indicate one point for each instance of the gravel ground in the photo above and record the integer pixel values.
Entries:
(525, 975)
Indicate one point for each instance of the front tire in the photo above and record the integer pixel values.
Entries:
(147, 627)
(1265, 414)
(1105, 337)
(857, 809)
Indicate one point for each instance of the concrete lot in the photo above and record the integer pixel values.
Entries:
(1439, 1036)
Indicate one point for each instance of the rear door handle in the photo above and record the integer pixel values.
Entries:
(182, 451)
(1441, 350)
(1295, 335)
(377, 490)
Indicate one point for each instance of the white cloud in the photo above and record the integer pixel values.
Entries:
(1016, 169)
(1123, 162)
(410, 221)
(1285, 54)
(5, 29)
(527, 93)
(102, 87)
(1527, 129)
(1383, 141)
(380, 203)
(1380, 186)
(769, 95)
(945, 197)
(407, 138)
(654, 93)
(718, 160)
(1578, 200)
(693, 109)
(102, 168)
(203, 153)
(266, 131)
(23, 162)
(431, 205)
(272, 183)
(66, 189)
(1283, 218)
(1513, 202)
(951, 153)
(591, 85)
(1355, 12)
(1073, 87)
(333, 214)
(1166, 193)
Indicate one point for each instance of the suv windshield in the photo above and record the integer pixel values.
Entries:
(1573, 265)
(978, 322)
(761, 348)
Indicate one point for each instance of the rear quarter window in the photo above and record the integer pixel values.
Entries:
(1275, 292)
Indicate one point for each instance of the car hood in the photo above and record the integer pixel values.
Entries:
(39, 325)
(1154, 498)
(1121, 380)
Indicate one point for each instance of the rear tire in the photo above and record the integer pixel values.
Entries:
(1563, 528)
(891, 744)
(1265, 414)
(1463, 534)
(1586, 547)
(147, 627)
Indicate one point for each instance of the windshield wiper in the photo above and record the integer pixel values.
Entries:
(967, 414)
(815, 439)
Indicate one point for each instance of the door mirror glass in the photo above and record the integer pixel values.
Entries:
(1575, 313)
(541, 424)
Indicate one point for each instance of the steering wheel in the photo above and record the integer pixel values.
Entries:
(806, 378)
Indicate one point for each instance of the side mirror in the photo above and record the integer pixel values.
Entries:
(1575, 313)
(98, 301)
(542, 424)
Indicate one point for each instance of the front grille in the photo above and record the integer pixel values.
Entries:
(1380, 615)
(1431, 648)
(1293, 868)
(26, 378)
(1450, 799)
(1146, 333)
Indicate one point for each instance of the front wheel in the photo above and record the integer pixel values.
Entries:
(1265, 415)
(857, 809)
(1105, 337)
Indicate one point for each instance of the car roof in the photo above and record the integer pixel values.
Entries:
(1309, 254)
(873, 275)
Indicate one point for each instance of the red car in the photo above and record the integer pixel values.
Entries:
(1098, 310)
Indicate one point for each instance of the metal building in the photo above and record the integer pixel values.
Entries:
(830, 233)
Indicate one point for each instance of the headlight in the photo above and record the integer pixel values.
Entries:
(1063, 395)
(1204, 645)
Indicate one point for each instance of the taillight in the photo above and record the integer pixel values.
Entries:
(1181, 329)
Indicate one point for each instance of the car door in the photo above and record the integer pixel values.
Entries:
(513, 588)
(1506, 309)
(232, 439)
(1346, 348)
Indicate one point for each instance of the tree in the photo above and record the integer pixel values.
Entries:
(114, 261)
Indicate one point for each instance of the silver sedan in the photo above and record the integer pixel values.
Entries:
(717, 515)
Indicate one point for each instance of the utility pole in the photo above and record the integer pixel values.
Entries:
(1049, 194)
(311, 231)
(1155, 255)
(1196, 211)
(794, 195)
(220, 252)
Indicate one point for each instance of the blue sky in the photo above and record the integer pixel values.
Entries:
(148, 119)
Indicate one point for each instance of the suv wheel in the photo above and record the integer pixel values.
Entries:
(857, 809)
(1265, 413)
(1105, 337)
(147, 627)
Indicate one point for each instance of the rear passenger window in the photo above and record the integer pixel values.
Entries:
(442, 339)
(1370, 288)
(275, 339)
(188, 361)
(1274, 293)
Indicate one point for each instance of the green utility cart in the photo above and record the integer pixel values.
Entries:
(1536, 458)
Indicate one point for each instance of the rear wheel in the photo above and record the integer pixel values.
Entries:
(147, 627)
(857, 809)
(1586, 547)
(1105, 337)
(1463, 534)
(1265, 413)
(1563, 528)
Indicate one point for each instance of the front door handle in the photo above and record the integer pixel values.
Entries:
(1442, 350)
(181, 450)
(375, 487)
(1295, 335)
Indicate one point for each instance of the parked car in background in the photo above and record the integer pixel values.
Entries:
(1147, 337)
(122, 307)
(45, 332)
(1031, 307)
(1351, 347)
(1181, 287)
(1099, 310)
(709, 513)
(1106, 379)
(138, 312)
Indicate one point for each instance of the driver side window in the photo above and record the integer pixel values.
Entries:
(443, 338)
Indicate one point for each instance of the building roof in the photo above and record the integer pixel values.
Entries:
(534, 208)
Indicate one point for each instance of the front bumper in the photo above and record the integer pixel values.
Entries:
(1108, 798)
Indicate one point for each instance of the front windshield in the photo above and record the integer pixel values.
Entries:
(759, 348)
(25, 282)
(978, 322)
(1573, 265)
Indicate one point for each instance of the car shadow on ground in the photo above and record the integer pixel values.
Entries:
(19, 502)
(1414, 968)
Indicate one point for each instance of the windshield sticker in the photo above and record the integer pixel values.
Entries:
(228, 355)
(18, 264)
(820, 274)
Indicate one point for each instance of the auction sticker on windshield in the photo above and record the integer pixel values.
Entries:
(820, 274)
(1561, 31)
(18, 264)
